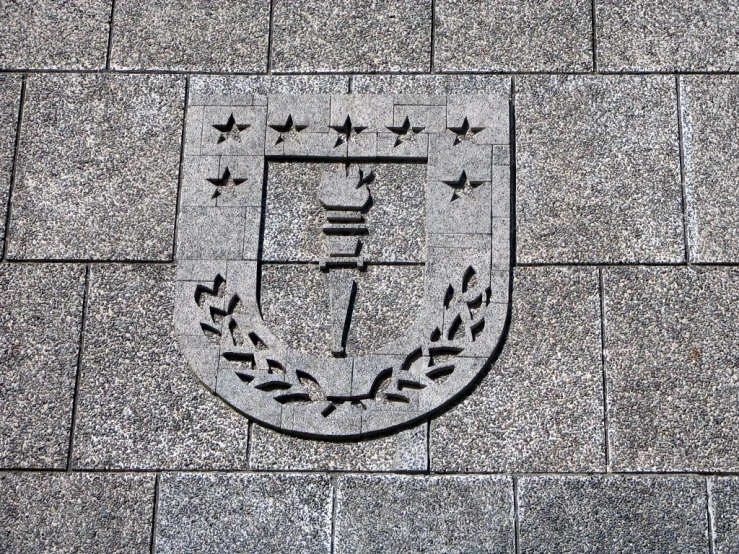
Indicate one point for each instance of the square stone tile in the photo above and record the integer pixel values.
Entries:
(215, 513)
(191, 35)
(48, 34)
(351, 35)
(40, 322)
(672, 35)
(379, 514)
(598, 170)
(139, 405)
(79, 512)
(402, 451)
(10, 93)
(673, 379)
(710, 108)
(540, 407)
(723, 499)
(98, 167)
(659, 515)
(499, 35)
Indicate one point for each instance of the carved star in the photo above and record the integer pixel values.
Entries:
(231, 130)
(462, 186)
(288, 131)
(465, 132)
(224, 182)
(346, 131)
(406, 132)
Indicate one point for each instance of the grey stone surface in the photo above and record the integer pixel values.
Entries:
(540, 406)
(98, 167)
(423, 85)
(40, 321)
(78, 512)
(671, 340)
(191, 35)
(471, 515)
(222, 89)
(244, 513)
(598, 170)
(710, 108)
(402, 451)
(139, 404)
(46, 34)
(723, 506)
(352, 35)
(495, 35)
(10, 91)
(612, 514)
(667, 36)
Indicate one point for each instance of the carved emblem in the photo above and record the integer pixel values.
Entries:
(343, 260)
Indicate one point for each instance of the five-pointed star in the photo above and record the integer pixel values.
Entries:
(288, 130)
(405, 132)
(225, 181)
(230, 130)
(462, 186)
(346, 130)
(465, 132)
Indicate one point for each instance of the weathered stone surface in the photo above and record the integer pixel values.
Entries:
(540, 406)
(10, 90)
(413, 86)
(40, 321)
(191, 35)
(98, 166)
(244, 513)
(710, 108)
(139, 405)
(598, 170)
(78, 512)
(667, 36)
(495, 35)
(723, 498)
(352, 35)
(612, 514)
(671, 336)
(216, 90)
(46, 34)
(376, 514)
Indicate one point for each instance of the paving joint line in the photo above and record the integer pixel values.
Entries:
(432, 60)
(14, 168)
(683, 186)
(428, 446)
(178, 199)
(109, 52)
(513, 175)
(604, 376)
(594, 44)
(516, 523)
(709, 509)
(155, 511)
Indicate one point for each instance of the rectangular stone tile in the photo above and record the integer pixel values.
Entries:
(710, 111)
(540, 406)
(378, 514)
(643, 35)
(139, 405)
(80, 512)
(212, 513)
(48, 34)
(723, 506)
(98, 167)
(351, 35)
(40, 322)
(673, 382)
(402, 451)
(659, 515)
(432, 84)
(528, 35)
(598, 170)
(190, 35)
(10, 93)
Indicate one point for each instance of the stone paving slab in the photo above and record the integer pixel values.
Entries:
(40, 322)
(216, 513)
(710, 111)
(78, 512)
(612, 514)
(496, 35)
(598, 170)
(48, 34)
(10, 93)
(672, 35)
(540, 406)
(671, 343)
(187, 35)
(253, 90)
(460, 514)
(351, 35)
(98, 167)
(139, 404)
(425, 85)
(723, 499)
